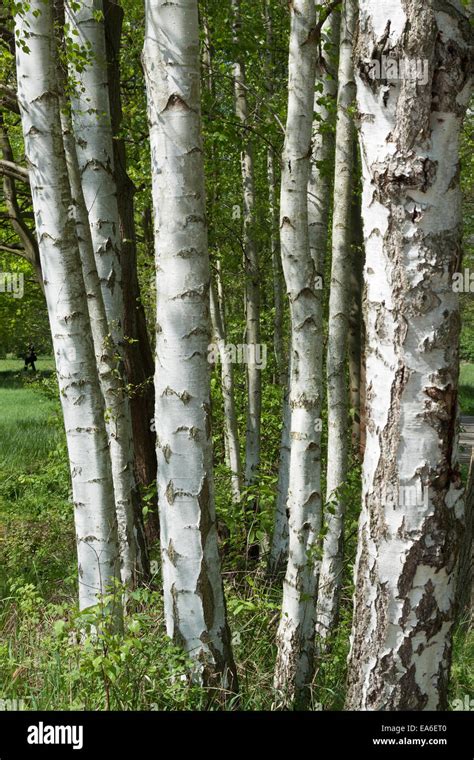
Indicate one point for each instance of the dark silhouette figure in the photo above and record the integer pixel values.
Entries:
(30, 358)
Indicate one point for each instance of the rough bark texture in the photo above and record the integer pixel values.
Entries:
(193, 592)
(407, 554)
(294, 666)
(330, 578)
(83, 409)
(355, 313)
(137, 353)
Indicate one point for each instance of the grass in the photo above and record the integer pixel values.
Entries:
(41, 660)
(34, 480)
(466, 389)
(26, 438)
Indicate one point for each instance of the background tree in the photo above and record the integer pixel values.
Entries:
(330, 578)
(294, 666)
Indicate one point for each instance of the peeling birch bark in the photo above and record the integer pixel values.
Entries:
(408, 552)
(193, 591)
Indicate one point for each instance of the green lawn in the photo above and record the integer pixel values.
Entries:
(13, 366)
(26, 438)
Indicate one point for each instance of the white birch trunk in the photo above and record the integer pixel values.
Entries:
(117, 421)
(278, 299)
(412, 512)
(294, 667)
(233, 458)
(278, 551)
(83, 410)
(193, 592)
(252, 275)
(94, 147)
(227, 384)
(330, 578)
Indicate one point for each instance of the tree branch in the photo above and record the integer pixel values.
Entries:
(13, 170)
(18, 249)
(30, 250)
(8, 99)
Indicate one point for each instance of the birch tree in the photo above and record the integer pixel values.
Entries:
(227, 385)
(278, 298)
(338, 327)
(252, 289)
(94, 147)
(81, 400)
(322, 157)
(193, 591)
(217, 304)
(355, 336)
(134, 566)
(278, 551)
(137, 352)
(412, 513)
(295, 635)
(319, 203)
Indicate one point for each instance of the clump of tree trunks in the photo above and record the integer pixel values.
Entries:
(305, 197)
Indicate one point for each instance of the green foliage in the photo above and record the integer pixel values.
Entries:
(49, 660)
(462, 673)
(466, 389)
(22, 320)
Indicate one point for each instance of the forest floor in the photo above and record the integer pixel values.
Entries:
(40, 660)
